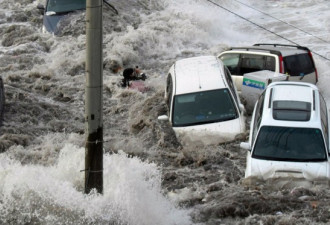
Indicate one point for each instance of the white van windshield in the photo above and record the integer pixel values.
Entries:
(203, 107)
(62, 6)
(290, 144)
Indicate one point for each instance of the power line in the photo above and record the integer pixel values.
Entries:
(282, 21)
(261, 27)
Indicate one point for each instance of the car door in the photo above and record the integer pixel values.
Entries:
(255, 126)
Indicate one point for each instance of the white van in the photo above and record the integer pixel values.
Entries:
(289, 134)
(202, 100)
(295, 61)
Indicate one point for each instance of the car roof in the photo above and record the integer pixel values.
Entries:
(199, 74)
(294, 93)
(284, 50)
(291, 91)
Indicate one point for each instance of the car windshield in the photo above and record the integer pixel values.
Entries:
(290, 144)
(61, 6)
(203, 107)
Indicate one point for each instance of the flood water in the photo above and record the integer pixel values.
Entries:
(149, 176)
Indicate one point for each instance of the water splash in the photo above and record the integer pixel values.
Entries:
(54, 194)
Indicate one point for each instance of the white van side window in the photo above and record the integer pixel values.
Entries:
(231, 61)
(252, 63)
(240, 63)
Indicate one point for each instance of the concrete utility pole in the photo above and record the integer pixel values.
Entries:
(93, 97)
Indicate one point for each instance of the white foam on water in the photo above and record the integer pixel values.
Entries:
(132, 192)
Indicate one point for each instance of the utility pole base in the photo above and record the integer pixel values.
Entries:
(94, 162)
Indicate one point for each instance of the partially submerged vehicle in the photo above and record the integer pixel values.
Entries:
(293, 60)
(289, 134)
(56, 10)
(202, 101)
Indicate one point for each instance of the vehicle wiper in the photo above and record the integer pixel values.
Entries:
(302, 77)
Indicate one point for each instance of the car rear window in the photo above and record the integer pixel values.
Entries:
(291, 110)
(290, 144)
(239, 64)
(298, 65)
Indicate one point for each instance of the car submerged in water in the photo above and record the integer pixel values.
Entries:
(203, 102)
(289, 134)
(55, 10)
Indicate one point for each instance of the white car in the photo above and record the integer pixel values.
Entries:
(289, 134)
(202, 101)
(295, 61)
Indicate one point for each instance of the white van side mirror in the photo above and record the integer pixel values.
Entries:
(163, 118)
(241, 107)
(245, 145)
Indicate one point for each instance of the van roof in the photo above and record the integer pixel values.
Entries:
(284, 50)
(198, 74)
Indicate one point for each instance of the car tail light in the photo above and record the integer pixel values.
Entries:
(316, 75)
(281, 64)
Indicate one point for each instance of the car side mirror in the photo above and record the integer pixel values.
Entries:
(41, 8)
(241, 107)
(163, 118)
(245, 145)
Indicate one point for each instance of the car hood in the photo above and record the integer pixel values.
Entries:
(211, 133)
(267, 169)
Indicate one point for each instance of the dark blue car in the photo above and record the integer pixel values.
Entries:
(55, 10)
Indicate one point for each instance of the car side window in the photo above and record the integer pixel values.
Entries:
(231, 61)
(169, 90)
(258, 116)
(254, 62)
(270, 63)
(324, 120)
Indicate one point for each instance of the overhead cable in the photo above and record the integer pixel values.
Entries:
(282, 21)
(261, 27)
